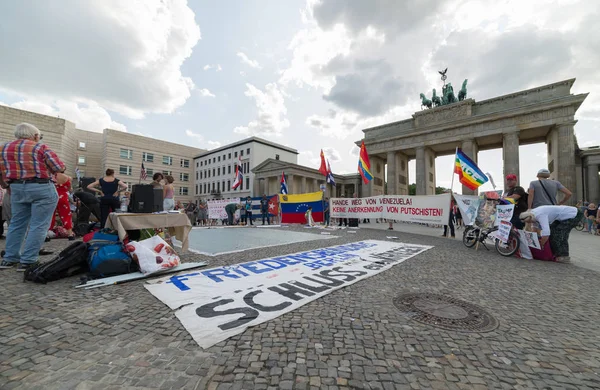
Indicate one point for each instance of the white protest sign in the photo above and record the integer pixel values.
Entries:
(504, 212)
(503, 231)
(216, 208)
(468, 205)
(218, 303)
(408, 208)
(532, 239)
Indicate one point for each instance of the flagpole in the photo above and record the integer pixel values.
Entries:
(453, 174)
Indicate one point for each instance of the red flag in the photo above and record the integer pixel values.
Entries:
(274, 205)
(323, 167)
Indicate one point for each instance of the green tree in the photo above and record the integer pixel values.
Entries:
(412, 189)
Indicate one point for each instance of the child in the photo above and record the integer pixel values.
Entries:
(308, 216)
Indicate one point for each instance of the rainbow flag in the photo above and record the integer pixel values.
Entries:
(469, 173)
(293, 207)
(364, 165)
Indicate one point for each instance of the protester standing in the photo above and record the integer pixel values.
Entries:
(542, 192)
(26, 165)
(109, 188)
(264, 209)
(63, 208)
(326, 213)
(248, 208)
(520, 197)
(157, 179)
(590, 214)
(190, 211)
(450, 221)
(203, 213)
(556, 223)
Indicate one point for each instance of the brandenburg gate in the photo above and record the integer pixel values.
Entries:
(542, 114)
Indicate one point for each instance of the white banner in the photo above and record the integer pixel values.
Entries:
(503, 231)
(504, 212)
(408, 208)
(216, 207)
(468, 205)
(218, 303)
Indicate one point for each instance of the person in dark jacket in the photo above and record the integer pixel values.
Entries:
(230, 209)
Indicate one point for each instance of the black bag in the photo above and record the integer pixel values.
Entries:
(70, 261)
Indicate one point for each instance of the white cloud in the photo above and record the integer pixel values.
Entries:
(216, 67)
(122, 55)
(200, 140)
(205, 93)
(271, 116)
(207, 67)
(332, 154)
(248, 61)
(89, 116)
(219, 68)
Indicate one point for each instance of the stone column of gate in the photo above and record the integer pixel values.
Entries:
(593, 185)
(303, 185)
(392, 177)
(402, 174)
(357, 189)
(510, 156)
(470, 148)
(290, 184)
(565, 159)
(421, 171)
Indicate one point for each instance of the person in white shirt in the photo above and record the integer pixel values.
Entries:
(556, 223)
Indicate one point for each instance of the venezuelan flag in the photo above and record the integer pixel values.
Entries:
(293, 207)
(364, 165)
(469, 173)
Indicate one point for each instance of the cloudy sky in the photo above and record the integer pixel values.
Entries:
(307, 74)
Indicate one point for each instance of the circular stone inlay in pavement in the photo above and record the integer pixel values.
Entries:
(445, 312)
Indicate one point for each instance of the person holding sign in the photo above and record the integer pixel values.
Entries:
(566, 218)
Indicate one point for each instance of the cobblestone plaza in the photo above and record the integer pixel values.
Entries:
(120, 337)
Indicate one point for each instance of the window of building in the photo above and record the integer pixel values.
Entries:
(81, 160)
(184, 163)
(229, 169)
(247, 182)
(197, 164)
(207, 173)
(81, 145)
(219, 159)
(165, 173)
(213, 186)
(214, 159)
(241, 152)
(204, 186)
(235, 154)
(197, 175)
(276, 157)
(218, 186)
(223, 186)
(167, 160)
(214, 170)
(126, 153)
(229, 156)
(196, 189)
(183, 190)
(147, 157)
(219, 171)
(149, 172)
(125, 170)
(184, 177)
(228, 185)
(248, 152)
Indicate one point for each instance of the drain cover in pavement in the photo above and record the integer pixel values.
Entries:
(445, 312)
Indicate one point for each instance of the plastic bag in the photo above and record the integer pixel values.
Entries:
(153, 255)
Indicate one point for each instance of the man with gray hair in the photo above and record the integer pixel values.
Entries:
(26, 166)
(542, 192)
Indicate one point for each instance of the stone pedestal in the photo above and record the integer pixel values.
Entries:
(510, 156)
(470, 148)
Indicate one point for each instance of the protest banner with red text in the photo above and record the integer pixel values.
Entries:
(418, 208)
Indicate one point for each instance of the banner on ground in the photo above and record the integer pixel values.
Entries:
(216, 207)
(409, 208)
(218, 303)
(293, 207)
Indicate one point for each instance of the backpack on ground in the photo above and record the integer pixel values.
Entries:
(70, 261)
(106, 260)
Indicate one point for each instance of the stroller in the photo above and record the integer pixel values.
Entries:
(87, 205)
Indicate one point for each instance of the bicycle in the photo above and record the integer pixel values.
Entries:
(580, 225)
(473, 233)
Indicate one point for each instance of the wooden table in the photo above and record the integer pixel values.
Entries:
(178, 224)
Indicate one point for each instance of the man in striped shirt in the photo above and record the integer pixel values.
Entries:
(27, 166)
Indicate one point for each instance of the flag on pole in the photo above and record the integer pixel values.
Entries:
(284, 190)
(364, 165)
(468, 172)
(78, 173)
(323, 167)
(143, 173)
(239, 178)
(330, 179)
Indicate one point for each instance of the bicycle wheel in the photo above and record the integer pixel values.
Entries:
(580, 226)
(510, 247)
(470, 236)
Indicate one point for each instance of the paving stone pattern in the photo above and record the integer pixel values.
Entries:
(120, 337)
